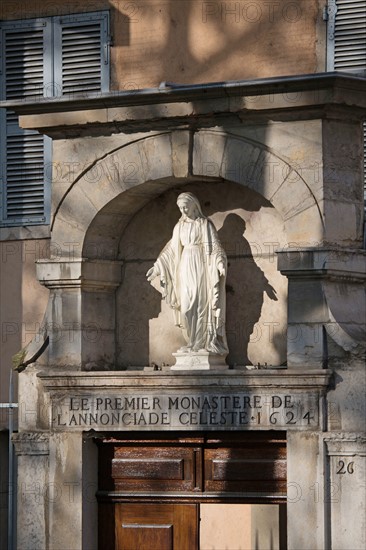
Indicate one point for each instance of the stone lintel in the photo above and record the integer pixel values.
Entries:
(187, 402)
(89, 275)
(31, 443)
(319, 263)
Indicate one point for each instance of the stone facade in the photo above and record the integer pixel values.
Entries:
(295, 281)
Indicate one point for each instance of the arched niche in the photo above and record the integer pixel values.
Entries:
(102, 204)
(250, 230)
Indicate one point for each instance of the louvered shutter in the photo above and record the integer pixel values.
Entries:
(24, 73)
(347, 36)
(44, 58)
(81, 54)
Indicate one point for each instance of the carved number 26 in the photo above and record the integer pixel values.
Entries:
(344, 468)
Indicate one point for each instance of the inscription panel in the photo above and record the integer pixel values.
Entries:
(182, 411)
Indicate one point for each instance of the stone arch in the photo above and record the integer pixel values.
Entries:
(104, 198)
(252, 164)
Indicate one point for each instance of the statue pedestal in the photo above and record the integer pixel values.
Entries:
(199, 360)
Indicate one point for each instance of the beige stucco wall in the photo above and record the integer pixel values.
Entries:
(190, 42)
(23, 303)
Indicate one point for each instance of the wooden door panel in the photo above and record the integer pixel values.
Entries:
(156, 526)
(141, 469)
(246, 468)
(149, 537)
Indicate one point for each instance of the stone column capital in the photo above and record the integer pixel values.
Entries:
(31, 443)
(337, 264)
(91, 275)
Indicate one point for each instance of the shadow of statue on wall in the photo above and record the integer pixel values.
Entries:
(245, 288)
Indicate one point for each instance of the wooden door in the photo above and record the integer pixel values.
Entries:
(145, 484)
(156, 526)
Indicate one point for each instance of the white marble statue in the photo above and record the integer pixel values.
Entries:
(192, 270)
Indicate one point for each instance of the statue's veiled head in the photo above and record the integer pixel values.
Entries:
(189, 206)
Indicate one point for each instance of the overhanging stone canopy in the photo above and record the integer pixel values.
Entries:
(173, 105)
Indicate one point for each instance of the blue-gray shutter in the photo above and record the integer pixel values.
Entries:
(24, 73)
(44, 58)
(350, 38)
(81, 54)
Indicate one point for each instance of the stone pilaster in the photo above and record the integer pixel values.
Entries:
(345, 489)
(32, 449)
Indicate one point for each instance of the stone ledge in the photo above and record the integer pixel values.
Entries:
(334, 82)
(101, 380)
(328, 263)
(25, 232)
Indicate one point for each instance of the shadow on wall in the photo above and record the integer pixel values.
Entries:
(146, 332)
(246, 284)
(195, 42)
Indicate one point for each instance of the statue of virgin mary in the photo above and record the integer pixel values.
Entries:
(192, 269)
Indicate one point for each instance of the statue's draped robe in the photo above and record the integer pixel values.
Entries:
(191, 284)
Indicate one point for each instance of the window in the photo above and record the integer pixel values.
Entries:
(46, 57)
(346, 45)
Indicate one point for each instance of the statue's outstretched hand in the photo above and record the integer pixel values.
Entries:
(152, 273)
(221, 269)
